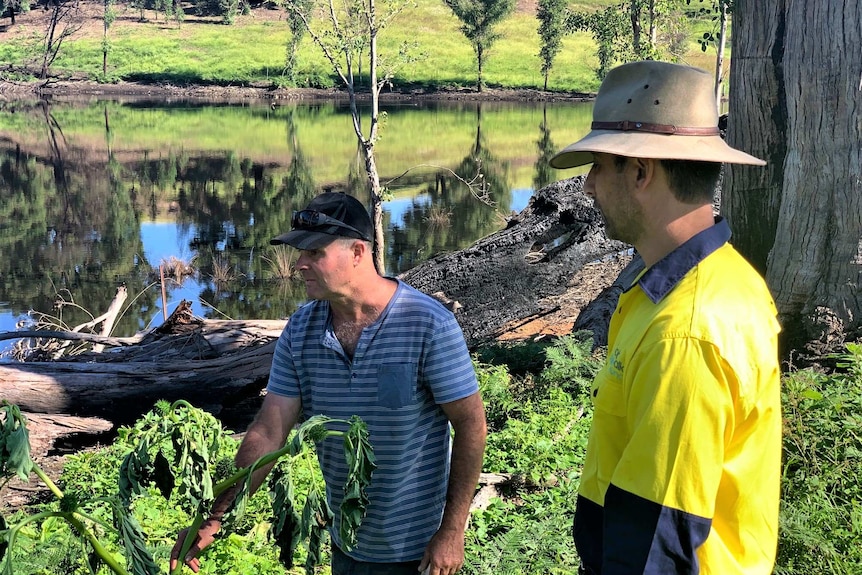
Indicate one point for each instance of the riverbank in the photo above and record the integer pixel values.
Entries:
(87, 89)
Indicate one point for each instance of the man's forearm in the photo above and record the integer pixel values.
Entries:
(254, 445)
(468, 450)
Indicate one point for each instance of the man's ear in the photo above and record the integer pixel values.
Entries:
(359, 249)
(645, 171)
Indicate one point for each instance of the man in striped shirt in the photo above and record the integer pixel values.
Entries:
(375, 347)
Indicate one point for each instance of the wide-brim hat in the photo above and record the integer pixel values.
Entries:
(345, 217)
(657, 110)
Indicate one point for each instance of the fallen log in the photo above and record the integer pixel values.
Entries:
(121, 392)
(216, 365)
(47, 431)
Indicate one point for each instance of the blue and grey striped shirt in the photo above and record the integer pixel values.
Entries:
(409, 361)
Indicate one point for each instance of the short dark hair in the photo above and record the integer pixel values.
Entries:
(691, 181)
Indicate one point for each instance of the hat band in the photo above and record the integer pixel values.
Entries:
(629, 126)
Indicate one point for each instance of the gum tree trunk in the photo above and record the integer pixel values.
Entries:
(796, 101)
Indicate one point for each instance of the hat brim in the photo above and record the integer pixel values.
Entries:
(304, 239)
(656, 146)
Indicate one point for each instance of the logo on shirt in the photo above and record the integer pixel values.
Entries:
(615, 366)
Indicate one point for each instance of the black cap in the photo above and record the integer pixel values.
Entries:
(347, 210)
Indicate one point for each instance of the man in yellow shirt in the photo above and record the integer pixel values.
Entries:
(684, 457)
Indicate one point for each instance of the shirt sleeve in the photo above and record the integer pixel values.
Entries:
(661, 499)
(446, 366)
(283, 379)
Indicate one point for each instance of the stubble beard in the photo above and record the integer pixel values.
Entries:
(627, 227)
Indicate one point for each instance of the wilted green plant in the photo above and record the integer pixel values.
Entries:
(175, 450)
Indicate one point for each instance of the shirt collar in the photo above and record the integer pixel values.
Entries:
(660, 279)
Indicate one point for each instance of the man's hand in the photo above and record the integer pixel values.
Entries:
(205, 537)
(444, 554)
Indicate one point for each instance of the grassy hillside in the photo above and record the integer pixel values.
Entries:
(252, 50)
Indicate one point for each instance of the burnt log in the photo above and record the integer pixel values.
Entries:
(511, 274)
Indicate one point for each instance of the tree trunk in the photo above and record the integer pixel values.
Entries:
(757, 124)
(480, 62)
(376, 192)
(719, 56)
(635, 15)
(806, 66)
(653, 25)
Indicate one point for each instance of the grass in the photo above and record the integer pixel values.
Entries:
(253, 50)
(281, 262)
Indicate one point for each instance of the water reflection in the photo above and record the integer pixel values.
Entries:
(95, 195)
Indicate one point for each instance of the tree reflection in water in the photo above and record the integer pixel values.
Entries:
(78, 183)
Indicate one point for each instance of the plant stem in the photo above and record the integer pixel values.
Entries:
(238, 475)
(47, 481)
(189, 539)
(100, 550)
(79, 526)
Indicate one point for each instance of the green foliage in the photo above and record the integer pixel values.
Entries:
(611, 30)
(360, 465)
(551, 15)
(478, 19)
(14, 444)
(520, 357)
(714, 14)
(542, 547)
(295, 21)
(176, 452)
(540, 424)
(614, 32)
(526, 533)
(572, 364)
(821, 511)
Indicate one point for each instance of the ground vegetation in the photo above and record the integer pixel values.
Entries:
(536, 393)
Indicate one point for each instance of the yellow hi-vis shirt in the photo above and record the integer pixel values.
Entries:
(683, 463)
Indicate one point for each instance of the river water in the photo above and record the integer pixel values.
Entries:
(98, 194)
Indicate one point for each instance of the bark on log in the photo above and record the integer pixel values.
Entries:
(46, 431)
(217, 365)
(505, 276)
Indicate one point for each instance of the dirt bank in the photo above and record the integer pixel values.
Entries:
(85, 89)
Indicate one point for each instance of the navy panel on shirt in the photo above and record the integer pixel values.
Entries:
(631, 535)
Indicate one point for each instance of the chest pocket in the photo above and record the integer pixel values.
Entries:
(608, 395)
(396, 383)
